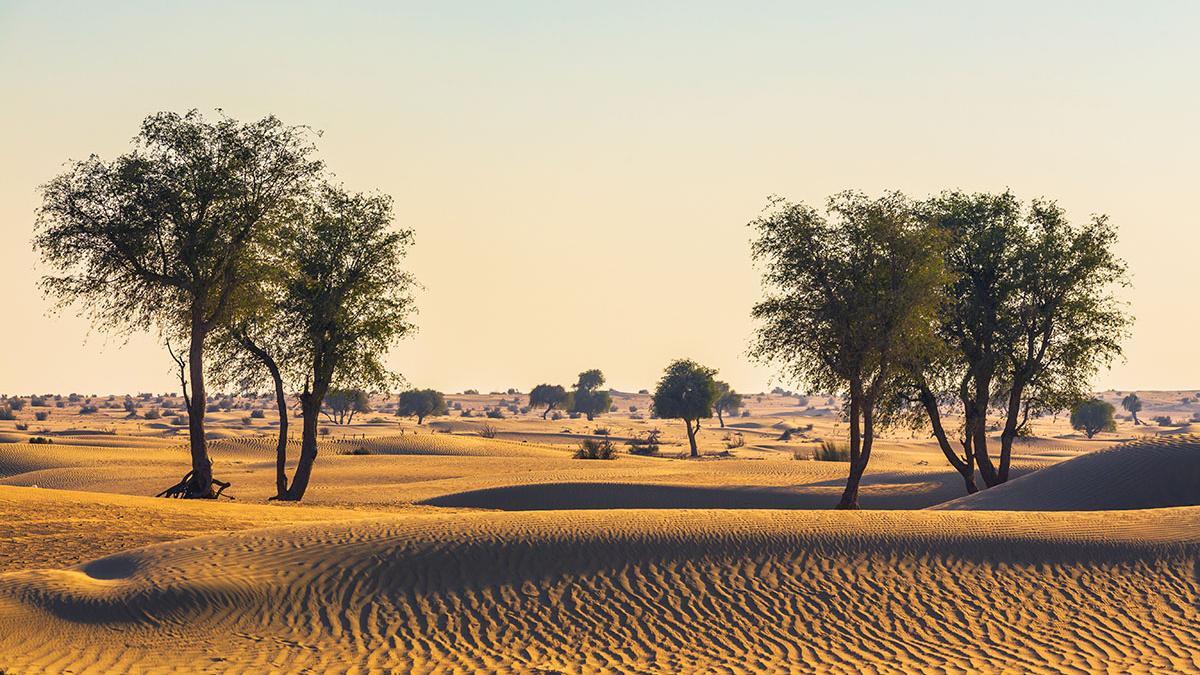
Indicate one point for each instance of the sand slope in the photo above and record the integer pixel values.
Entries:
(1139, 475)
(647, 591)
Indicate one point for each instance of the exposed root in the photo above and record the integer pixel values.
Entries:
(182, 489)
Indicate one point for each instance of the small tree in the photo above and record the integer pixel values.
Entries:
(1092, 416)
(852, 299)
(686, 391)
(343, 404)
(422, 403)
(728, 402)
(1133, 405)
(587, 399)
(550, 395)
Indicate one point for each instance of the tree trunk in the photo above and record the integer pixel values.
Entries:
(692, 435)
(281, 483)
(857, 465)
(310, 403)
(720, 418)
(546, 411)
(200, 483)
(1010, 433)
(1136, 421)
(964, 465)
(979, 431)
(420, 420)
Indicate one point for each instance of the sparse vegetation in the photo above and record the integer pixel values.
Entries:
(831, 451)
(593, 448)
(647, 443)
(422, 403)
(1093, 416)
(686, 391)
(487, 430)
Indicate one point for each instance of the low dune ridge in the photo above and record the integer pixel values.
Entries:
(650, 591)
(1145, 474)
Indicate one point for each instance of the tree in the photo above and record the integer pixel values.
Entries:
(343, 404)
(350, 298)
(1133, 405)
(687, 391)
(1093, 416)
(161, 237)
(550, 395)
(587, 398)
(1032, 318)
(728, 402)
(422, 403)
(852, 298)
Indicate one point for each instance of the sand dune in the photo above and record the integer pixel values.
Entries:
(649, 591)
(1143, 474)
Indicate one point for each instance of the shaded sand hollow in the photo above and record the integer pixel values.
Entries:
(115, 583)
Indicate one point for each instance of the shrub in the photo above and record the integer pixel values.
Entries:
(457, 405)
(556, 415)
(831, 451)
(59, 404)
(524, 410)
(37, 401)
(573, 415)
(41, 440)
(1196, 417)
(633, 408)
(6, 413)
(745, 413)
(487, 430)
(258, 413)
(356, 451)
(153, 414)
(643, 392)
(179, 421)
(786, 435)
(468, 413)
(41, 415)
(88, 409)
(496, 413)
(734, 441)
(16, 403)
(470, 392)
(247, 420)
(601, 431)
(22, 427)
(1162, 420)
(646, 444)
(593, 448)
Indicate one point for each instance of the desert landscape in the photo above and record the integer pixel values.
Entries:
(428, 548)
(561, 338)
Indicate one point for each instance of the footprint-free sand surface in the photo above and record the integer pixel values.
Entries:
(452, 553)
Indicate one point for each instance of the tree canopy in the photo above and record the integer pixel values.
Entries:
(550, 395)
(728, 402)
(422, 403)
(587, 398)
(1093, 416)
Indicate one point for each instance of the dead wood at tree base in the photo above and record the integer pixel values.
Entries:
(182, 490)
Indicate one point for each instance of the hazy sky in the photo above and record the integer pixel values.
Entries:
(580, 175)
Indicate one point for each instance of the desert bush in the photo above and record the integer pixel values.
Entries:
(470, 392)
(6, 412)
(179, 421)
(16, 403)
(1196, 417)
(495, 413)
(457, 405)
(556, 415)
(513, 409)
(22, 427)
(1162, 420)
(524, 410)
(88, 409)
(787, 434)
(247, 420)
(633, 408)
(637, 416)
(644, 392)
(354, 451)
(487, 430)
(153, 414)
(645, 444)
(745, 413)
(258, 413)
(42, 415)
(831, 451)
(324, 431)
(593, 448)
(40, 440)
(469, 412)
(601, 431)
(734, 440)
(212, 408)
(573, 415)
(37, 401)
(59, 404)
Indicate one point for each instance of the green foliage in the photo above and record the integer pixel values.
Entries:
(686, 391)
(1133, 405)
(831, 451)
(550, 395)
(6, 412)
(1093, 416)
(587, 399)
(343, 404)
(422, 403)
(645, 444)
(728, 402)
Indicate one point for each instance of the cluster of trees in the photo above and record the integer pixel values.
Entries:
(973, 303)
(585, 398)
(231, 240)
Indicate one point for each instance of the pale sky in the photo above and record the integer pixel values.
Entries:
(580, 176)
